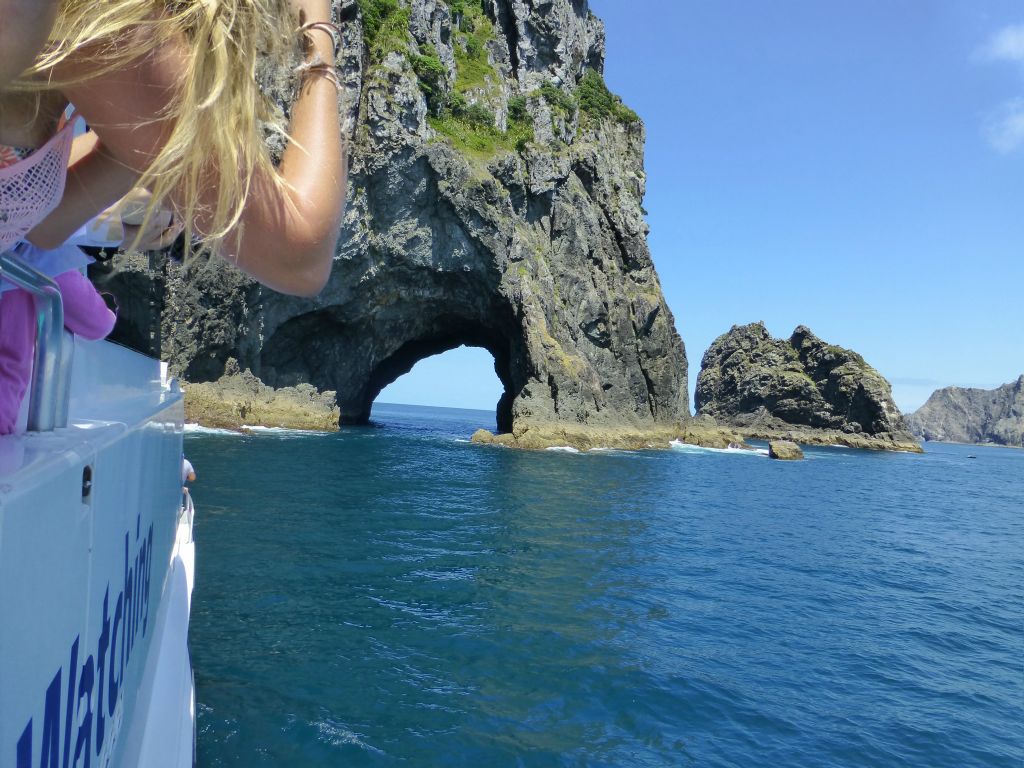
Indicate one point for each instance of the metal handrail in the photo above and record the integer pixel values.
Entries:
(50, 389)
(188, 511)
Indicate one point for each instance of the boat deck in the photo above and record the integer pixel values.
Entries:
(112, 390)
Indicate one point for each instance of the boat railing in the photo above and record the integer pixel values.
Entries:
(188, 512)
(50, 388)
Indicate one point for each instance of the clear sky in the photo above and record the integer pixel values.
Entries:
(855, 167)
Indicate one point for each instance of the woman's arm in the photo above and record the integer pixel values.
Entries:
(95, 182)
(24, 27)
(288, 232)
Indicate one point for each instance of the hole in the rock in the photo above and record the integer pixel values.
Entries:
(477, 365)
(458, 378)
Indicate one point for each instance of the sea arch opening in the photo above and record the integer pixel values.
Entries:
(358, 360)
(470, 352)
(463, 377)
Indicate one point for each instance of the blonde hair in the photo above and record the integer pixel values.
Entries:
(219, 112)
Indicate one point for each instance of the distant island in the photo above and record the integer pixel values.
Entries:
(800, 389)
(969, 415)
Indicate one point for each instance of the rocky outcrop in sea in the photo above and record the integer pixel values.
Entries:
(238, 399)
(968, 415)
(495, 201)
(800, 389)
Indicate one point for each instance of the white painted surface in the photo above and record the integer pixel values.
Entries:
(64, 572)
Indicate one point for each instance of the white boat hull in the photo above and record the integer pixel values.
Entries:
(96, 570)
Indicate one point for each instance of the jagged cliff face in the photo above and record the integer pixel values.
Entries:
(967, 415)
(750, 379)
(495, 201)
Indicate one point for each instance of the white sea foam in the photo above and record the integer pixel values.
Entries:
(563, 449)
(337, 735)
(680, 446)
(198, 429)
(260, 430)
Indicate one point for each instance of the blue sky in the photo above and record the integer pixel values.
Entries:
(855, 167)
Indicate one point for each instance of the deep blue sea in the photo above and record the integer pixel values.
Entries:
(392, 595)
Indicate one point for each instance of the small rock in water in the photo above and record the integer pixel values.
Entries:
(484, 436)
(785, 450)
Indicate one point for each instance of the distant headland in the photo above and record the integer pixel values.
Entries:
(968, 415)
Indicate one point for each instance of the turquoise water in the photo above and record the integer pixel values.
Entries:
(393, 595)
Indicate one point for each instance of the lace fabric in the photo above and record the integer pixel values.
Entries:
(32, 187)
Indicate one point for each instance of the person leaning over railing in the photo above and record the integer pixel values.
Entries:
(188, 475)
(170, 94)
(86, 311)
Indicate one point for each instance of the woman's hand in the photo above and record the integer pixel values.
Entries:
(160, 232)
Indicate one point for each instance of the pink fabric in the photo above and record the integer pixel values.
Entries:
(17, 337)
(85, 314)
(29, 190)
(33, 187)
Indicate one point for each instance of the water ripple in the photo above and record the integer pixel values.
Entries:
(392, 595)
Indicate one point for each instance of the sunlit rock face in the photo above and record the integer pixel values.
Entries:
(495, 201)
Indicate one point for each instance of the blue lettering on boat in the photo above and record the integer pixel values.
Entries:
(82, 732)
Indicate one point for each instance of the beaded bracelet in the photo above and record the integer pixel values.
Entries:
(320, 67)
(324, 26)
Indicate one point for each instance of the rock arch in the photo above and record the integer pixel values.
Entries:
(349, 358)
(529, 243)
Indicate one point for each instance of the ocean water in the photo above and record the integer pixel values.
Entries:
(393, 595)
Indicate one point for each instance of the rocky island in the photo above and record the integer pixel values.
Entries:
(968, 415)
(495, 201)
(800, 389)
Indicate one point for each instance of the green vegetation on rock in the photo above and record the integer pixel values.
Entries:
(466, 119)
(431, 74)
(517, 110)
(472, 131)
(464, 116)
(557, 99)
(598, 103)
(463, 10)
(475, 114)
(591, 98)
(474, 31)
(385, 27)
